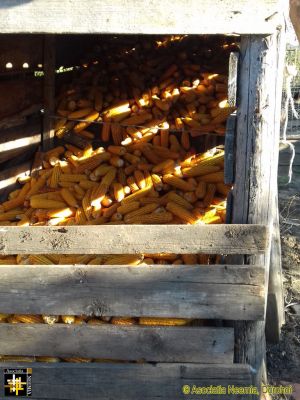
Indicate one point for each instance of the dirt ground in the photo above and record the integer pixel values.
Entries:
(283, 359)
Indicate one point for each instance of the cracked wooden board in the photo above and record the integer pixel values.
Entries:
(130, 239)
(198, 291)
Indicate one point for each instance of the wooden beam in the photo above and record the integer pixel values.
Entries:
(18, 140)
(128, 239)
(106, 381)
(158, 344)
(164, 291)
(98, 16)
(260, 81)
(49, 90)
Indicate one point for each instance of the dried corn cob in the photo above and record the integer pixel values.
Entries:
(151, 321)
(178, 183)
(181, 212)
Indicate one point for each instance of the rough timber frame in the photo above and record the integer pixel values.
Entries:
(257, 127)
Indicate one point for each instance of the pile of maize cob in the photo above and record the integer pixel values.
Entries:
(149, 171)
(146, 85)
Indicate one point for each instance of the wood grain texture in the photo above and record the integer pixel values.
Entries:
(132, 16)
(106, 381)
(158, 344)
(162, 291)
(260, 83)
(229, 150)
(16, 141)
(121, 239)
(49, 91)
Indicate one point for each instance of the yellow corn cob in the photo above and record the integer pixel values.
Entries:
(78, 360)
(131, 158)
(55, 177)
(157, 182)
(136, 196)
(216, 177)
(153, 218)
(223, 189)
(210, 193)
(87, 184)
(181, 201)
(66, 184)
(222, 114)
(178, 183)
(148, 179)
(181, 212)
(147, 209)
(99, 193)
(8, 261)
(40, 259)
(124, 259)
(50, 319)
(140, 179)
(18, 359)
(117, 112)
(108, 212)
(116, 132)
(14, 194)
(29, 319)
(10, 215)
(57, 221)
(44, 203)
(164, 152)
(93, 162)
(83, 112)
(72, 177)
(47, 359)
(123, 321)
(16, 202)
(201, 190)
(116, 161)
(212, 220)
(127, 208)
(68, 197)
(131, 182)
(162, 256)
(164, 137)
(118, 191)
(61, 213)
(168, 165)
(79, 190)
(189, 259)
(122, 177)
(86, 134)
(88, 120)
(96, 261)
(68, 319)
(151, 321)
(3, 317)
(138, 119)
(86, 205)
(105, 132)
(200, 170)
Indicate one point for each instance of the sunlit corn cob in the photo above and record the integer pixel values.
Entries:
(44, 203)
(153, 218)
(151, 321)
(29, 319)
(124, 259)
(50, 319)
(47, 359)
(68, 197)
(181, 212)
(178, 183)
(40, 259)
(123, 321)
(147, 209)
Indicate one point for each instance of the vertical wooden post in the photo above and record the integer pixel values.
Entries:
(49, 90)
(257, 140)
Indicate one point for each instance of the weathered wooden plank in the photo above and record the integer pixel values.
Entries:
(163, 291)
(15, 141)
(49, 90)
(275, 305)
(232, 78)
(126, 239)
(106, 381)
(158, 344)
(258, 115)
(98, 16)
(229, 150)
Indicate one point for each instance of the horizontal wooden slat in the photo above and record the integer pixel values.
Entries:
(127, 239)
(220, 291)
(130, 381)
(168, 344)
(123, 16)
